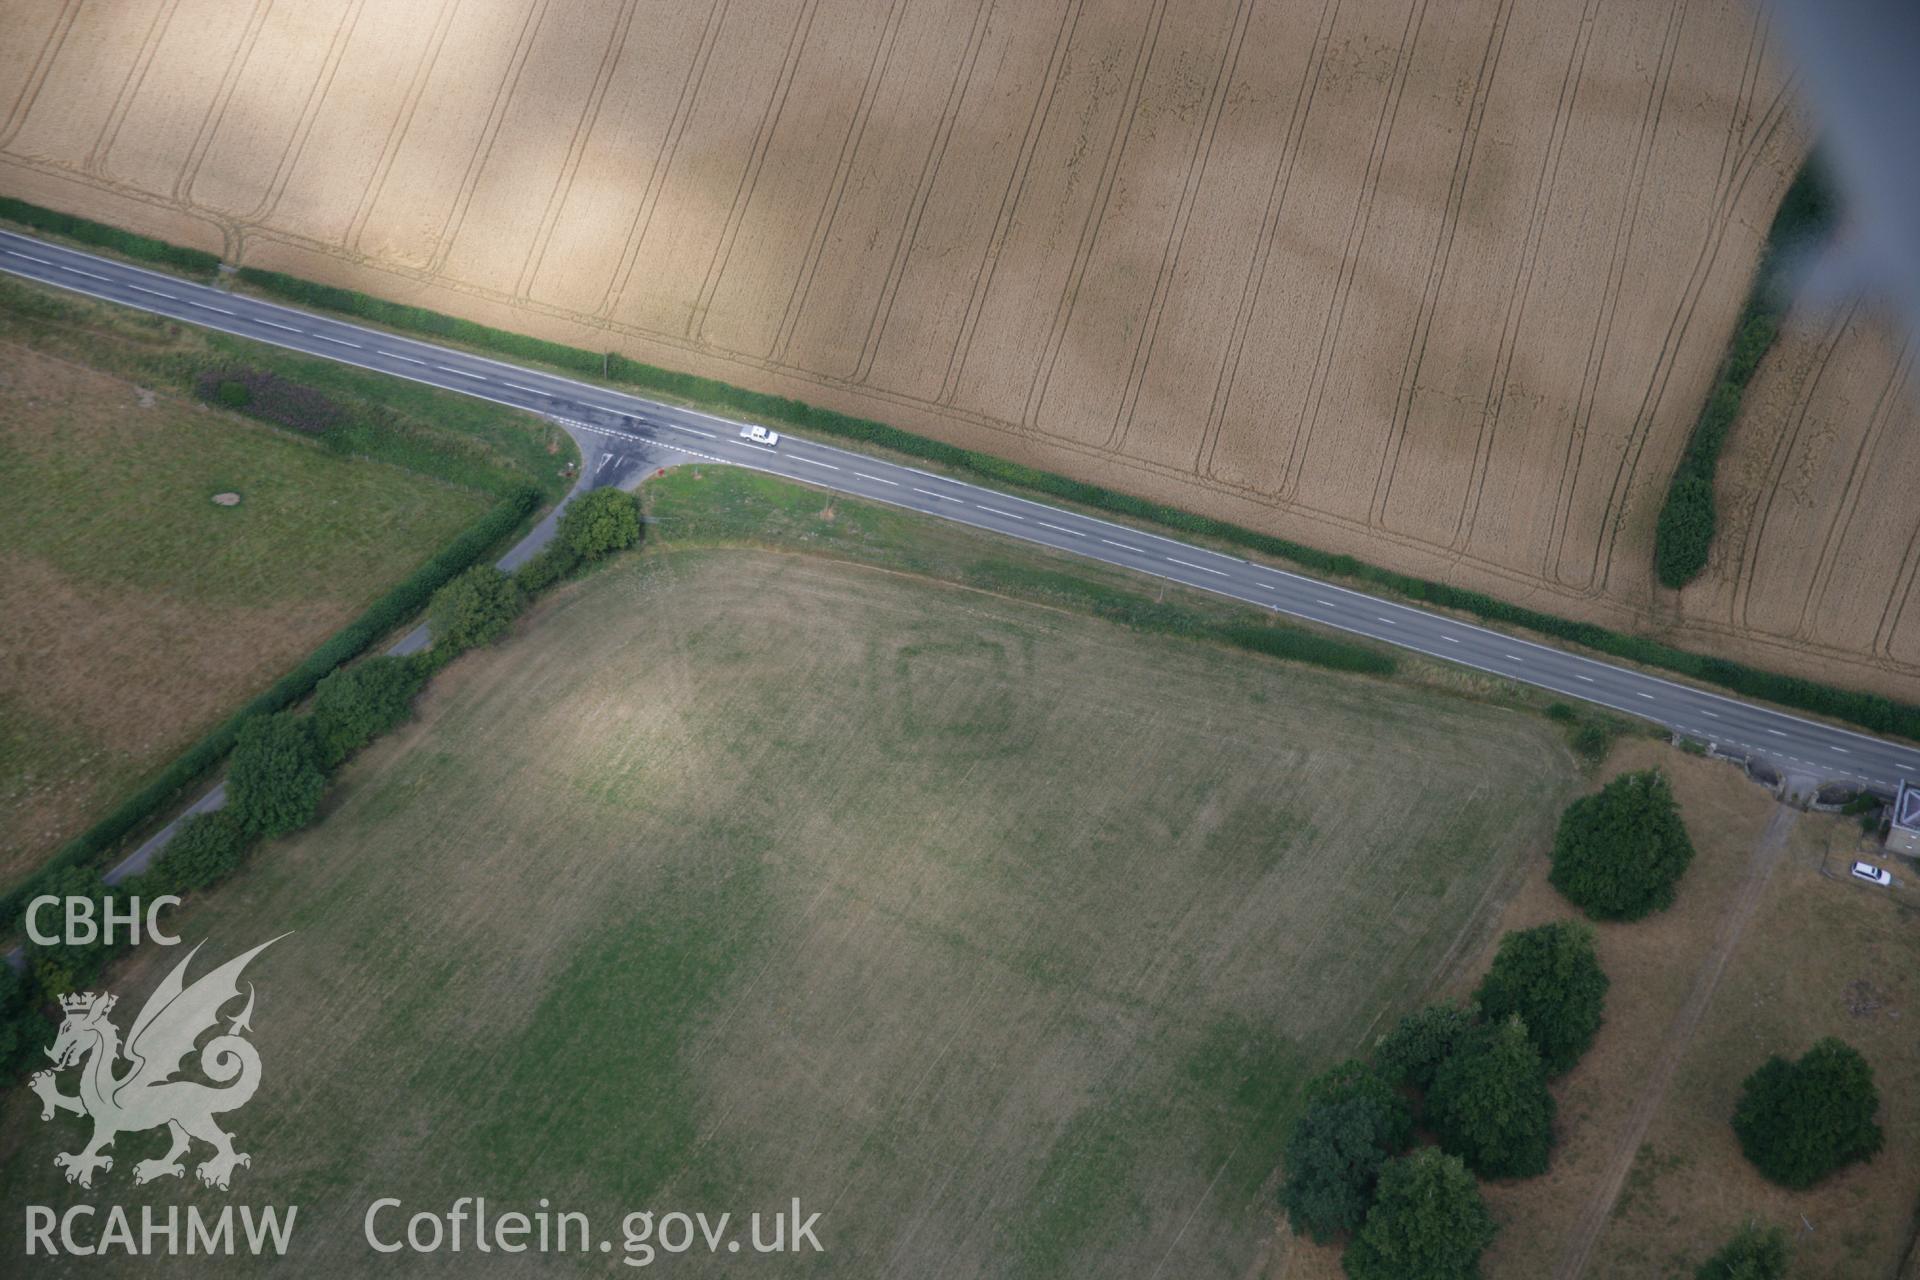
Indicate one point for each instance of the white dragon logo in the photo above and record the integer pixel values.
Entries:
(146, 1096)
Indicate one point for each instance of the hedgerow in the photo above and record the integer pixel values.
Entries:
(1806, 207)
(195, 262)
(405, 600)
(1683, 537)
(1867, 710)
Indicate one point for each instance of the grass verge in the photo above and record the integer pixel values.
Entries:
(733, 506)
(1870, 711)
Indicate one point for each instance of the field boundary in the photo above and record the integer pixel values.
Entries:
(1873, 712)
(1689, 521)
(400, 603)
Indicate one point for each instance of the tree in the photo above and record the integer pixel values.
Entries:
(357, 704)
(600, 522)
(1619, 852)
(1754, 1253)
(1490, 1106)
(1427, 1223)
(275, 782)
(1800, 1121)
(555, 562)
(206, 849)
(24, 1030)
(1551, 980)
(474, 609)
(1354, 1122)
(63, 966)
(1415, 1048)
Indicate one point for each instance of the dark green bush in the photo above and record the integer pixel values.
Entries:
(62, 967)
(474, 609)
(1619, 853)
(1550, 979)
(1428, 1222)
(1754, 1253)
(1801, 1121)
(1411, 1052)
(1592, 741)
(206, 849)
(597, 523)
(24, 1029)
(1684, 537)
(1353, 1123)
(232, 394)
(357, 704)
(275, 781)
(1489, 1103)
(551, 565)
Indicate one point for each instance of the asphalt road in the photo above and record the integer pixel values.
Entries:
(625, 433)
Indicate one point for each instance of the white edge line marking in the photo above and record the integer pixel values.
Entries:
(1298, 577)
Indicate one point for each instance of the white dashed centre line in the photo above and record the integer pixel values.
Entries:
(1123, 546)
(1202, 568)
(1776, 733)
(995, 511)
(140, 288)
(208, 306)
(1450, 639)
(338, 341)
(692, 431)
(1072, 533)
(409, 359)
(810, 462)
(275, 324)
(944, 497)
(877, 479)
(1642, 693)
(517, 387)
(1578, 676)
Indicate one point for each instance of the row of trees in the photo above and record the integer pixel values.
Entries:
(1476, 1078)
(278, 772)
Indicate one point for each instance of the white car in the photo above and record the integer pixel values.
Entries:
(1872, 874)
(760, 435)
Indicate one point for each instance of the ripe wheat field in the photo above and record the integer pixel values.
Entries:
(1441, 286)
